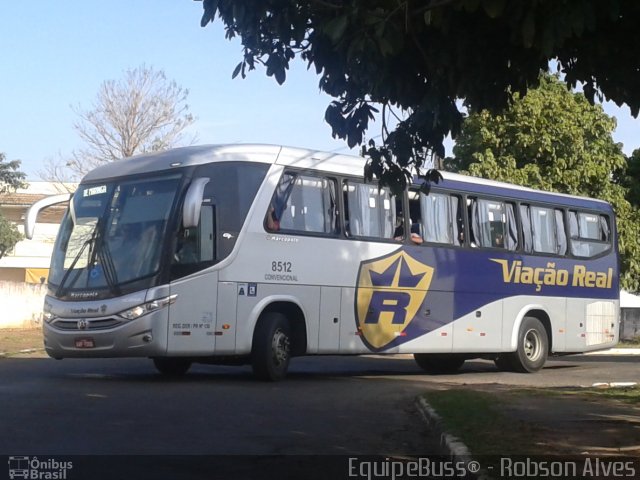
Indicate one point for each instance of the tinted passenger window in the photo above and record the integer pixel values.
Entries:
(543, 230)
(436, 217)
(370, 211)
(590, 234)
(303, 203)
(493, 224)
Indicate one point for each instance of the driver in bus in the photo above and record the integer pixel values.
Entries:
(273, 223)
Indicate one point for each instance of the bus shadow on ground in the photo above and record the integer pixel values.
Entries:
(302, 369)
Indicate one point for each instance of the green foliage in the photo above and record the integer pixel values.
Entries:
(554, 140)
(10, 177)
(630, 178)
(9, 236)
(418, 58)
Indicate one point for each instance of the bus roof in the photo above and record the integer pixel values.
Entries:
(315, 160)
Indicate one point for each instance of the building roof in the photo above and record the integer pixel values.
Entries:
(19, 199)
(25, 197)
(14, 205)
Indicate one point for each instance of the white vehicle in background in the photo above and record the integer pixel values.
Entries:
(257, 253)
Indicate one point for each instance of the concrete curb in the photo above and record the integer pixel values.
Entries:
(616, 351)
(450, 444)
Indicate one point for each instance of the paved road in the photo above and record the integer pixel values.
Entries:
(124, 407)
(327, 406)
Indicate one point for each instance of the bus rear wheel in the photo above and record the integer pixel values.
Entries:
(271, 350)
(436, 363)
(172, 367)
(533, 348)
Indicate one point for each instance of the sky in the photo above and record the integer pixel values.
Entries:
(57, 54)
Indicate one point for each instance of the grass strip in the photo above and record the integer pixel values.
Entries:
(487, 424)
(478, 420)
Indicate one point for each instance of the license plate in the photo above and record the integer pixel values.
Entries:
(85, 343)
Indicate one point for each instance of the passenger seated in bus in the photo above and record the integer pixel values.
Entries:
(415, 236)
(398, 233)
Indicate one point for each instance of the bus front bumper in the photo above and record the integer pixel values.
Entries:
(107, 337)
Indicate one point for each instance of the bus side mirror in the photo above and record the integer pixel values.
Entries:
(193, 202)
(32, 214)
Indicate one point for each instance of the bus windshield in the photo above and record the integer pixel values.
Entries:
(112, 234)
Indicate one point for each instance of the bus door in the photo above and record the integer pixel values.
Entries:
(192, 318)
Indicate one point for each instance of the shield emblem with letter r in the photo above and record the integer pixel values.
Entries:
(389, 293)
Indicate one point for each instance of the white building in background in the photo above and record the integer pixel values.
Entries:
(29, 260)
(628, 300)
(630, 316)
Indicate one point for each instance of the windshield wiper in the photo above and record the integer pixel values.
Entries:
(102, 252)
(60, 291)
(97, 249)
(108, 268)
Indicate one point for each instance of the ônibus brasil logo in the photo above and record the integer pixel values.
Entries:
(34, 468)
(389, 293)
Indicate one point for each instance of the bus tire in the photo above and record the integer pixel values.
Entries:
(271, 351)
(438, 363)
(533, 347)
(172, 367)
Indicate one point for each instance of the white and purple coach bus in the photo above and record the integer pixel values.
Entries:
(256, 253)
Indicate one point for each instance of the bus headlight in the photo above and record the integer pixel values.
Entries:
(46, 313)
(140, 310)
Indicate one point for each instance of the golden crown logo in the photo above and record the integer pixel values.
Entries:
(389, 294)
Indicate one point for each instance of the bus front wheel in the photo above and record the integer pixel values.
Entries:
(271, 350)
(533, 347)
(436, 363)
(172, 367)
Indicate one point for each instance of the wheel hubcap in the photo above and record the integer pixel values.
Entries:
(280, 347)
(532, 345)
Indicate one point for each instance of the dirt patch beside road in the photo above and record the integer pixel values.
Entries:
(498, 420)
(581, 422)
(21, 342)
